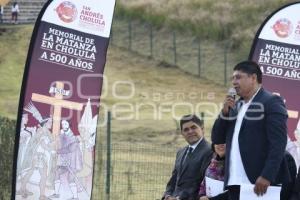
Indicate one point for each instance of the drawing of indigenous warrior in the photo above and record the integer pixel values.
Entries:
(39, 156)
(25, 136)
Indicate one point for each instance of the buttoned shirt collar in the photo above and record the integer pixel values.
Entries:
(250, 100)
(194, 146)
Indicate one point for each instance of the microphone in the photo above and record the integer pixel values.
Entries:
(232, 93)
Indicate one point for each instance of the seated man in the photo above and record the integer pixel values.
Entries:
(191, 161)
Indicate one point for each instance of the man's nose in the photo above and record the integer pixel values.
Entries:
(189, 130)
(234, 81)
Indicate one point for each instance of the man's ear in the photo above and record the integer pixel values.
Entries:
(254, 77)
(202, 128)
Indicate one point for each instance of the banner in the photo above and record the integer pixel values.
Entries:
(276, 48)
(59, 101)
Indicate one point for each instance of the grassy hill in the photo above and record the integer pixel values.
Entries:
(14, 43)
(236, 20)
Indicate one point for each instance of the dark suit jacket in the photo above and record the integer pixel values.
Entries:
(297, 182)
(287, 187)
(262, 138)
(186, 178)
(296, 189)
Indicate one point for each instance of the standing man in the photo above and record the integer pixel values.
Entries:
(191, 161)
(69, 161)
(255, 131)
(15, 12)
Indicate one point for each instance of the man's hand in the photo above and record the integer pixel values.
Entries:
(227, 105)
(204, 198)
(261, 186)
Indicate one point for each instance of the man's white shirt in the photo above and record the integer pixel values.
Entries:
(237, 174)
(194, 146)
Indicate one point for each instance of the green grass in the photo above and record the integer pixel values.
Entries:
(211, 55)
(14, 46)
(235, 20)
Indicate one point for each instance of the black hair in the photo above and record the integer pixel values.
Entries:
(193, 118)
(249, 67)
(213, 148)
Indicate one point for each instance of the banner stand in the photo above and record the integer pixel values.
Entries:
(59, 101)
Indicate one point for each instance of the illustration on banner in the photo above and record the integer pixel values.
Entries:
(53, 160)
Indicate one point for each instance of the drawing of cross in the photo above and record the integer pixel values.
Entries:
(58, 103)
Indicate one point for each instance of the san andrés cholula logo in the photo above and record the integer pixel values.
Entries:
(283, 28)
(66, 11)
(87, 15)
